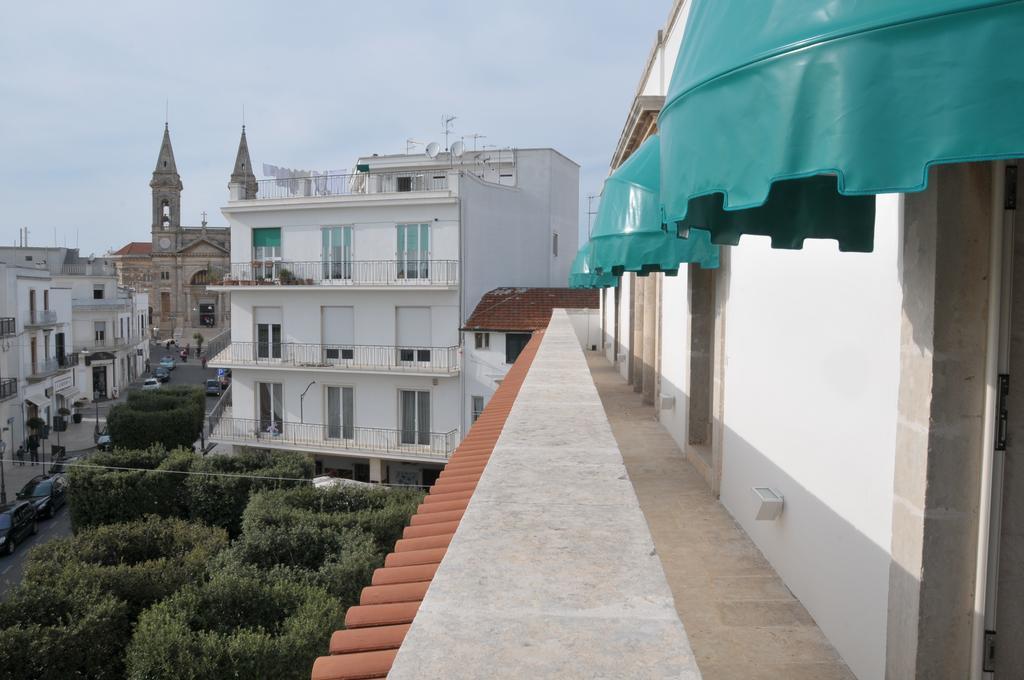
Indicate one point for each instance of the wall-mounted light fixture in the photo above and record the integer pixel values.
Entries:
(667, 403)
(770, 503)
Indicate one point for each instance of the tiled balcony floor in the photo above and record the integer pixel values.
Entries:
(742, 621)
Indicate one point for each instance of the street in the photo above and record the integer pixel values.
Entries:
(78, 439)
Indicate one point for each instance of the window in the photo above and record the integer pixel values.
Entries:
(46, 298)
(99, 331)
(339, 413)
(97, 292)
(165, 212)
(514, 344)
(478, 407)
(413, 251)
(403, 184)
(413, 332)
(414, 416)
(165, 276)
(270, 408)
(554, 244)
(482, 340)
(336, 253)
(337, 330)
(266, 252)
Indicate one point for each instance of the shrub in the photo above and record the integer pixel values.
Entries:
(102, 496)
(220, 501)
(171, 417)
(238, 625)
(50, 633)
(331, 537)
(139, 562)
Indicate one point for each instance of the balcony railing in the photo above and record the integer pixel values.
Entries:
(8, 388)
(408, 272)
(356, 184)
(40, 368)
(40, 317)
(97, 268)
(343, 357)
(8, 327)
(119, 304)
(111, 343)
(253, 432)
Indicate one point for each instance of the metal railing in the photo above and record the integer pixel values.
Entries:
(353, 184)
(102, 304)
(217, 343)
(8, 327)
(44, 367)
(112, 343)
(352, 357)
(40, 317)
(217, 413)
(254, 432)
(8, 388)
(407, 272)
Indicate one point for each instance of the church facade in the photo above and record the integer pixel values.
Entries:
(176, 264)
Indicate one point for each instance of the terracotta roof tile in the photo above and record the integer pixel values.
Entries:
(526, 309)
(375, 628)
(136, 248)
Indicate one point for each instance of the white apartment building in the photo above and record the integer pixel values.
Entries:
(68, 334)
(348, 292)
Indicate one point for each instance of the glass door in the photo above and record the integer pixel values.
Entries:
(414, 406)
(336, 254)
(340, 413)
(270, 407)
(413, 251)
(268, 341)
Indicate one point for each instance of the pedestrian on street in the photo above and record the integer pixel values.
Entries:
(204, 360)
(33, 448)
(20, 454)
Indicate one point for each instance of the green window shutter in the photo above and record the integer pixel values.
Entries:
(266, 238)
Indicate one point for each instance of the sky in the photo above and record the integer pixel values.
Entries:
(85, 87)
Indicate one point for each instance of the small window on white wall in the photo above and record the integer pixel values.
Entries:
(478, 406)
(554, 244)
(482, 340)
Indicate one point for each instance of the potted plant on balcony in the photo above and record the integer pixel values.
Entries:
(287, 277)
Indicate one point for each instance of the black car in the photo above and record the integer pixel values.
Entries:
(17, 522)
(63, 464)
(162, 374)
(47, 493)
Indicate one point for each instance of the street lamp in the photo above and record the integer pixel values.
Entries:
(3, 482)
(303, 396)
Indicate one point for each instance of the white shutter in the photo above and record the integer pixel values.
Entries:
(338, 326)
(267, 315)
(413, 326)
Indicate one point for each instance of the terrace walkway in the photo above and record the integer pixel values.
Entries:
(742, 621)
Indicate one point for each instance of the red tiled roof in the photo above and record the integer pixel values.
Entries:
(374, 629)
(526, 309)
(136, 248)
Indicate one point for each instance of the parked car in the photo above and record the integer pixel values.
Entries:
(151, 384)
(17, 522)
(168, 362)
(47, 493)
(103, 441)
(213, 388)
(162, 374)
(62, 464)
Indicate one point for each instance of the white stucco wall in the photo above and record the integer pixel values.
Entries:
(675, 352)
(812, 340)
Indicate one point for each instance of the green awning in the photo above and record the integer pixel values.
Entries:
(864, 96)
(582, 276)
(628, 234)
(267, 237)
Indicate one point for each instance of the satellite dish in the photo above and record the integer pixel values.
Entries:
(433, 149)
(457, 149)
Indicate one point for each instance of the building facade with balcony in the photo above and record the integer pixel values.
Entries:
(348, 292)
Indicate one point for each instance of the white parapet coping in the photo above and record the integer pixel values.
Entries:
(552, 572)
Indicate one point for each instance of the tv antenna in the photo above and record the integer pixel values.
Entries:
(591, 212)
(409, 143)
(475, 136)
(446, 124)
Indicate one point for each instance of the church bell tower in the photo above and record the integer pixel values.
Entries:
(166, 186)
